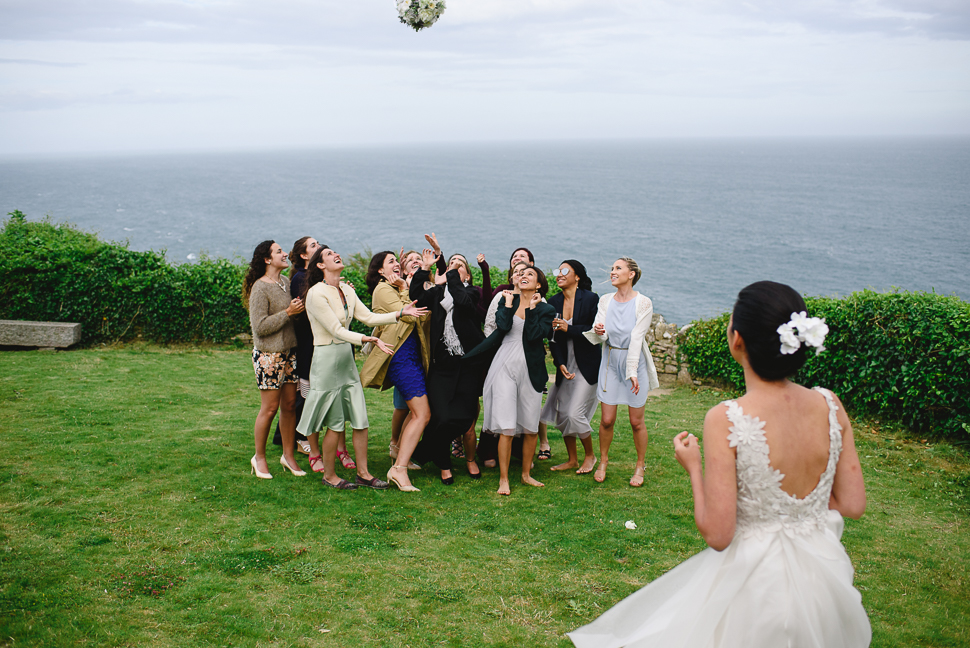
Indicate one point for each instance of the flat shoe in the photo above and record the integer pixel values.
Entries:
(373, 482)
(544, 454)
(448, 481)
(343, 484)
(477, 475)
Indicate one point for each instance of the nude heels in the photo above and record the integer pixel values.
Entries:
(296, 473)
(401, 487)
(256, 471)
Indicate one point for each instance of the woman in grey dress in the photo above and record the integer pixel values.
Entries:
(627, 370)
(571, 402)
(512, 396)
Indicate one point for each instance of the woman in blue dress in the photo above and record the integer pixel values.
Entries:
(627, 371)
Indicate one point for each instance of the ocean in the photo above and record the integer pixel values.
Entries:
(702, 217)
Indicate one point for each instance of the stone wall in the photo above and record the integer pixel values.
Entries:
(663, 337)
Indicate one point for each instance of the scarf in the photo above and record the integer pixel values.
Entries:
(452, 343)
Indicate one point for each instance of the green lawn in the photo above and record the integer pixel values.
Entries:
(128, 517)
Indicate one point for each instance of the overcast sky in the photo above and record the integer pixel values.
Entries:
(152, 75)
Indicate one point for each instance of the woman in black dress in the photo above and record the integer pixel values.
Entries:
(453, 389)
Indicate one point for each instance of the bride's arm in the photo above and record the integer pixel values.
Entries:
(715, 486)
(848, 490)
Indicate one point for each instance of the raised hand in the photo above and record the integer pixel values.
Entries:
(428, 258)
(380, 344)
(296, 306)
(559, 324)
(414, 311)
(433, 242)
(536, 298)
(480, 258)
(687, 451)
(509, 296)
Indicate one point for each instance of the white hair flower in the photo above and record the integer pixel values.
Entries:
(802, 329)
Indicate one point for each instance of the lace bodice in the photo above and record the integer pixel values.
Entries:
(763, 507)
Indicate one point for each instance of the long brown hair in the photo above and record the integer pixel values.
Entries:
(314, 275)
(257, 268)
(374, 275)
(296, 255)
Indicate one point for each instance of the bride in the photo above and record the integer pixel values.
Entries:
(780, 470)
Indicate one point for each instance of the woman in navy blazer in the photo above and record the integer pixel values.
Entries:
(571, 403)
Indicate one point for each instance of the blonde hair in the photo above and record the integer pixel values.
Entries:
(634, 267)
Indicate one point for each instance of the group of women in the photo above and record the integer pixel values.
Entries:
(450, 350)
(779, 471)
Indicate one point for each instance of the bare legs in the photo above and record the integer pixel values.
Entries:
(328, 449)
(607, 421)
(529, 442)
(398, 421)
(420, 415)
(544, 437)
(281, 400)
(589, 460)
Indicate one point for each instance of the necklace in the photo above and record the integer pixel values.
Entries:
(278, 281)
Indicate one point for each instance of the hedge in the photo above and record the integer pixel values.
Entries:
(58, 273)
(905, 355)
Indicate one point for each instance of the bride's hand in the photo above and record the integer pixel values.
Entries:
(687, 451)
(414, 311)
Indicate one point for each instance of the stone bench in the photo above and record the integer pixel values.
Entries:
(47, 335)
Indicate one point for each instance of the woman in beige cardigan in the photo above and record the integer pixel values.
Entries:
(407, 368)
(336, 396)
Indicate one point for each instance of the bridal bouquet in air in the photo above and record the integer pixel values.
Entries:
(420, 13)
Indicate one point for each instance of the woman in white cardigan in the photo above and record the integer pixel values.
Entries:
(336, 395)
(627, 371)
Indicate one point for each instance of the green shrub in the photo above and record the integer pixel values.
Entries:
(901, 354)
(58, 273)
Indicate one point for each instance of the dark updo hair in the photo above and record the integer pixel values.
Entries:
(542, 286)
(314, 275)
(585, 283)
(761, 308)
(532, 260)
(257, 268)
(374, 275)
(296, 254)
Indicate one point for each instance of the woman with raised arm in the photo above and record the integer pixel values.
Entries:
(453, 389)
(271, 309)
(779, 471)
(410, 263)
(512, 396)
(627, 372)
(405, 370)
(336, 395)
(571, 402)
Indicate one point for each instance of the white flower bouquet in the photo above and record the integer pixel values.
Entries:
(420, 13)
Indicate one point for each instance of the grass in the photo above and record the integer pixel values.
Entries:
(128, 518)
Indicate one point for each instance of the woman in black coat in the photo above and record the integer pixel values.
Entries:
(453, 389)
(571, 403)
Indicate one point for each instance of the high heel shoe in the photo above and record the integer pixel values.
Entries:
(256, 471)
(477, 475)
(448, 481)
(401, 487)
(296, 473)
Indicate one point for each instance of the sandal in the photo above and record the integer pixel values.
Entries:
(373, 482)
(343, 484)
(637, 477)
(345, 459)
(317, 459)
(545, 454)
(457, 449)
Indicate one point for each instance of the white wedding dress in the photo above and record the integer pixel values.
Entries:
(785, 580)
